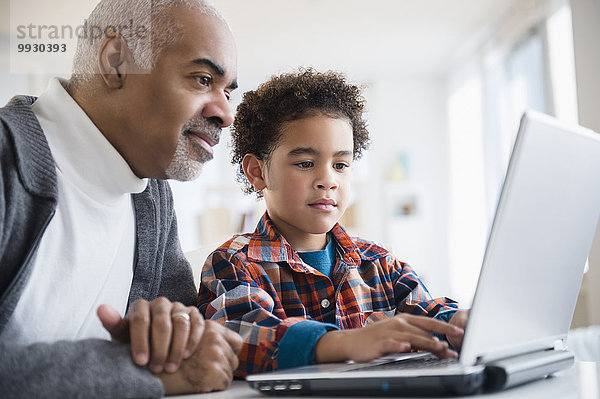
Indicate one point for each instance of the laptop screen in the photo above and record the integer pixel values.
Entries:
(539, 241)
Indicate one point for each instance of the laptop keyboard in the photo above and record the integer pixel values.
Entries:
(420, 363)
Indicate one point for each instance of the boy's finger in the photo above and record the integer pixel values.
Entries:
(394, 346)
(402, 324)
(432, 325)
(430, 344)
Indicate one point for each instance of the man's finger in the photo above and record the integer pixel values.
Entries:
(232, 357)
(228, 370)
(225, 355)
(113, 323)
(139, 331)
(234, 340)
(161, 333)
(197, 329)
(181, 322)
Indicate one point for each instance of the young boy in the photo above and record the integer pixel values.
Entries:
(300, 290)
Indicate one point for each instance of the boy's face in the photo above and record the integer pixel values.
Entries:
(307, 179)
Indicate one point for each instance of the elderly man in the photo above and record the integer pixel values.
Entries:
(88, 236)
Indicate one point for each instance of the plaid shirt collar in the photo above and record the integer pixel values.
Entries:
(267, 245)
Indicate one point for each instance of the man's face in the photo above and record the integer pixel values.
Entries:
(176, 112)
(308, 178)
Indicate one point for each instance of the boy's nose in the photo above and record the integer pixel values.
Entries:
(326, 182)
(331, 186)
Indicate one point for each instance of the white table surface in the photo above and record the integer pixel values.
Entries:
(582, 381)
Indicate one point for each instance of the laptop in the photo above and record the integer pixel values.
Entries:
(529, 282)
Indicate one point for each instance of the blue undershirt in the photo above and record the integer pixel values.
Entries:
(322, 260)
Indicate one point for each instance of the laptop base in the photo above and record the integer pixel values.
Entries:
(495, 376)
(376, 386)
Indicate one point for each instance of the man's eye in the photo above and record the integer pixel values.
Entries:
(305, 164)
(204, 80)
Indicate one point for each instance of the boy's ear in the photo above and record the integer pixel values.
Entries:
(114, 60)
(254, 171)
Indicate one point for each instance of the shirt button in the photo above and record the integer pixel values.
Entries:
(325, 303)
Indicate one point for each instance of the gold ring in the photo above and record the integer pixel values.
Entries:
(181, 313)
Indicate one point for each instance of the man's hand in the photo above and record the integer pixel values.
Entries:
(458, 319)
(158, 331)
(400, 333)
(210, 367)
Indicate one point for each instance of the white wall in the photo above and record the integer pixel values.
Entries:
(586, 31)
(407, 119)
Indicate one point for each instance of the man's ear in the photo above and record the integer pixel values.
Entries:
(254, 170)
(113, 60)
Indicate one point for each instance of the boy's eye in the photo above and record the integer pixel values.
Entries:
(340, 166)
(304, 164)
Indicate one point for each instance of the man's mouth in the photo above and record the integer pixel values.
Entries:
(205, 140)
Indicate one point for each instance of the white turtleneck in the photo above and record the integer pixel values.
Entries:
(85, 258)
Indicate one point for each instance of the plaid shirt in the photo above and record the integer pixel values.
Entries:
(257, 285)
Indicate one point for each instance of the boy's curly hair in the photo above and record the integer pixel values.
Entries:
(289, 97)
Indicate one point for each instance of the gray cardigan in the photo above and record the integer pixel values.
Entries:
(91, 368)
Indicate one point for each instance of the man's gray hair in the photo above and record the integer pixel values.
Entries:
(143, 24)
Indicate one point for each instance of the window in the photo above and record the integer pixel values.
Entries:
(487, 96)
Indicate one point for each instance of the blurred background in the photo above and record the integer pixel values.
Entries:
(445, 84)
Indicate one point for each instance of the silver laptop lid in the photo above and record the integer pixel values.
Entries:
(540, 238)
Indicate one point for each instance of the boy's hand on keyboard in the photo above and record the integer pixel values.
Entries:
(400, 333)
(459, 319)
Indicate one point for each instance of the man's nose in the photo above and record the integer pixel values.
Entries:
(219, 110)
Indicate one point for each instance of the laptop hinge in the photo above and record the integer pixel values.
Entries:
(516, 370)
